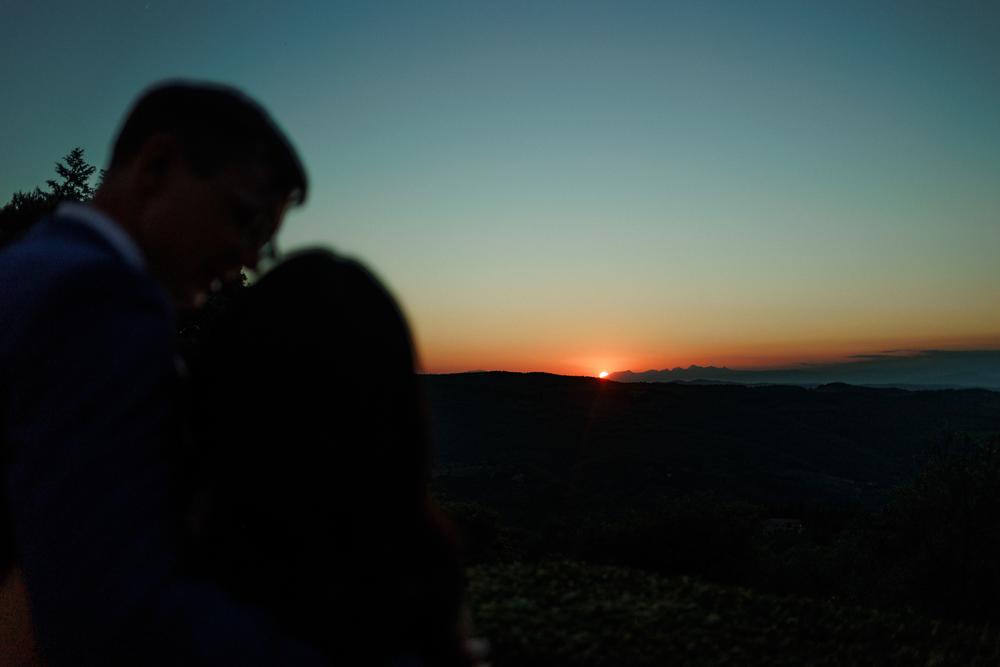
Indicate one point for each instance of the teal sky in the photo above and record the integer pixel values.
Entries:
(574, 186)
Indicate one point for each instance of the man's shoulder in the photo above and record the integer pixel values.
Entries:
(56, 241)
(56, 251)
(57, 264)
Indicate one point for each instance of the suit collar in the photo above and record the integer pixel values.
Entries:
(106, 228)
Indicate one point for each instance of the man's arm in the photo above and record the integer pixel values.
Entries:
(88, 420)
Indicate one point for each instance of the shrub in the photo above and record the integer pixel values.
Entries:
(937, 544)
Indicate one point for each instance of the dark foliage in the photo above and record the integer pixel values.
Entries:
(482, 537)
(580, 615)
(74, 178)
(937, 544)
(22, 211)
(26, 208)
(692, 534)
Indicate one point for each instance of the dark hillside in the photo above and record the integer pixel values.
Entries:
(523, 441)
(853, 518)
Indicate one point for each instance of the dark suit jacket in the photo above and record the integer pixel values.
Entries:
(86, 411)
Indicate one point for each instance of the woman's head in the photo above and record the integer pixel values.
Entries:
(314, 444)
(316, 368)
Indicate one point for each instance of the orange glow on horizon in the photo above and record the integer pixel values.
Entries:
(771, 355)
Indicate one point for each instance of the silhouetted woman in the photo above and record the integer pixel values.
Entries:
(312, 465)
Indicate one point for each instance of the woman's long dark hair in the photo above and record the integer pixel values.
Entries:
(313, 458)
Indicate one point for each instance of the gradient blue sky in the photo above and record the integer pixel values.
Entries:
(573, 186)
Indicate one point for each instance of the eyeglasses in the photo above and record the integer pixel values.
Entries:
(254, 223)
(256, 220)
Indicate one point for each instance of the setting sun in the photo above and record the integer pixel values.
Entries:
(602, 374)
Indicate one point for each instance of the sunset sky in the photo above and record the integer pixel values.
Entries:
(584, 186)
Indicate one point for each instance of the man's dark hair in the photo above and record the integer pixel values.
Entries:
(216, 126)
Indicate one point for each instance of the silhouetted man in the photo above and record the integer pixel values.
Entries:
(198, 182)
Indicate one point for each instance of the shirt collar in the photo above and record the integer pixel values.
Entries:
(107, 228)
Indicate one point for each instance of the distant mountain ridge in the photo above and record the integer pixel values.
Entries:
(925, 369)
(525, 441)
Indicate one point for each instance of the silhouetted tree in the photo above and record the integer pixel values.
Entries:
(75, 173)
(25, 208)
